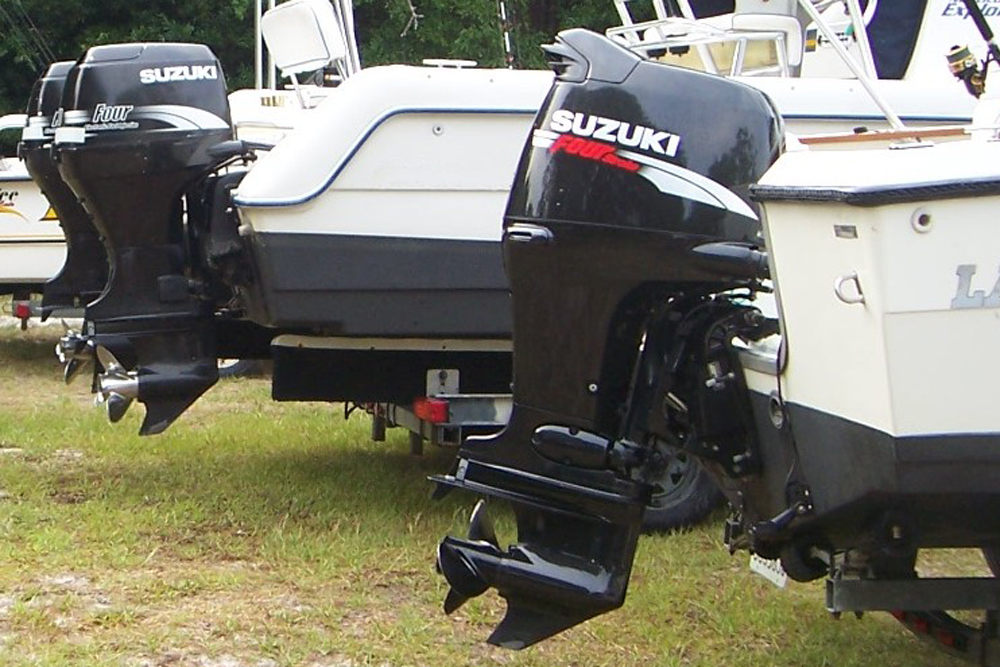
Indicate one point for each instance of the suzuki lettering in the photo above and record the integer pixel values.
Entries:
(179, 73)
(603, 140)
(615, 131)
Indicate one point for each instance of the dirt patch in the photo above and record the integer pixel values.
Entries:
(70, 582)
(6, 602)
(74, 497)
(179, 659)
(67, 456)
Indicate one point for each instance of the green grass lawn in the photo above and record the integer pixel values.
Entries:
(262, 534)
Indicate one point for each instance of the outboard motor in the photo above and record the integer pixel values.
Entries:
(85, 271)
(139, 122)
(651, 165)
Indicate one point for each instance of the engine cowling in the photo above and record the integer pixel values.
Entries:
(85, 271)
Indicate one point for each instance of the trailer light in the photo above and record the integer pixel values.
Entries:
(433, 410)
(22, 310)
(946, 638)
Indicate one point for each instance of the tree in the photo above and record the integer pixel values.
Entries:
(69, 27)
(470, 29)
(466, 29)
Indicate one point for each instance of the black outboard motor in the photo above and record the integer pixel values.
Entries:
(85, 270)
(652, 165)
(138, 124)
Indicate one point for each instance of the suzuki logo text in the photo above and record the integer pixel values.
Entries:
(615, 131)
(179, 73)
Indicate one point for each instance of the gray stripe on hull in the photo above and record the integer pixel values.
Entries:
(382, 286)
(946, 483)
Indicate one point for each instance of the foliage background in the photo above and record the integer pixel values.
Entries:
(468, 29)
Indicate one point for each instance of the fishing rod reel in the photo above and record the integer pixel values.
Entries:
(968, 70)
(963, 64)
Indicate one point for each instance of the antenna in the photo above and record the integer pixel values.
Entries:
(22, 41)
(35, 36)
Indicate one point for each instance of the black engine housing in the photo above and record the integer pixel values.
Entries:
(627, 196)
(138, 127)
(85, 271)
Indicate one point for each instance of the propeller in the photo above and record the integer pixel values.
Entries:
(117, 387)
(546, 592)
(74, 351)
(459, 570)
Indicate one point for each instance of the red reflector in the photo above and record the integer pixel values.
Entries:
(432, 410)
(946, 638)
(22, 310)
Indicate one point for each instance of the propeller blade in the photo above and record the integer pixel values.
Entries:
(108, 360)
(73, 367)
(460, 574)
(481, 527)
(453, 601)
(118, 405)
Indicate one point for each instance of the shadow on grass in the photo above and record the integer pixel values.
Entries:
(29, 351)
(258, 487)
(255, 463)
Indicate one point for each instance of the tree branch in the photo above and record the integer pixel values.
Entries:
(414, 21)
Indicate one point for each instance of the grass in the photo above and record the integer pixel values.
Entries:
(262, 534)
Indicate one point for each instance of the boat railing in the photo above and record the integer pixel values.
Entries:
(775, 28)
(652, 38)
(778, 25)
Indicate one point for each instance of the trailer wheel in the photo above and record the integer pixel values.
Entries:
(686, 495)
(416, 444)
(979, 643)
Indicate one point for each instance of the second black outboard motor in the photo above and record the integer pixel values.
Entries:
(85, 271)
(138, 125)
(651, 164)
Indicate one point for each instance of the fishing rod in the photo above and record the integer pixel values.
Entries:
(510, 57)
(984, 28)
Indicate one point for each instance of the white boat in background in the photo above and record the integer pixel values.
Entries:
(805, 66)
(32, 246)
(811, 67)
(404, 201)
